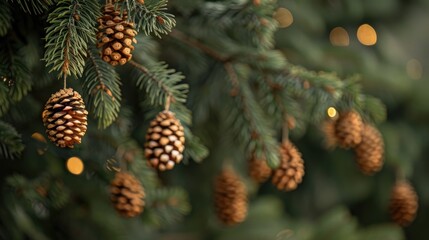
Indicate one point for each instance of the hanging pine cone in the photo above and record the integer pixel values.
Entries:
(230, 198)
(259, 170)
(291, 170)
(330, 138)
(127, 194)
(165, 141)
(348, 129)
(370, 152)
(65, 118)
(403, 203)
(115, 36)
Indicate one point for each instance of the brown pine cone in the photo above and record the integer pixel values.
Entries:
(127, 194)
(403, 203)
(348, 129)
(230, 198)
(291, 170)
(330, 138)
(115, 36)
(370, 152)
(65, 118)
(259, 170)
(165, 141)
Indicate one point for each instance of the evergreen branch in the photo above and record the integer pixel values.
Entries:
(34, 6)
(167, 205)
(14, 75)
(71, 27)
(102, 90)
(160, 82)
(152, 18)
(247, 121)
(374, 109)
(5, 18)
(11, 144)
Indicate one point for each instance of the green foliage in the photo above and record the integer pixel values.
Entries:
(34, 6)
(14, 75)
(249, 123)
(5, 18)
(11, 144)
(167, 205)
(151, 17)
(71, 28)
(159, 82)
(102, 89)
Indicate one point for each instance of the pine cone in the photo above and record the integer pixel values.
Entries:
(165, 141)
(65, 118)
(330, 138)
(403, 203)
(115, 36)
(348, 129)
(230, 198)
(370, 152)
(127, 194)
(259, 170)
(291, 170)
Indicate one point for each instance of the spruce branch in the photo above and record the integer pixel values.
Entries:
(14, 75)
(5, 18)
(160, 82)
(167, 205)
(248, 122)
(102, 90)
(152, 18)
(34, 6)
(71, 28)
(11, 144)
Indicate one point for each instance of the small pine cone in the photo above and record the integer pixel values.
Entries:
(127, 194)
(165, 141)
(259, 170)
(291, 170)
(348, 129)
(115, 36)
(370, 152)
(65, 118)
(403, 203)
(230, 198)
(328, 129)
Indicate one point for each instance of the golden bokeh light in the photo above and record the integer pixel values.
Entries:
(284, 17)
(75, 165)
(332, 112)
(414, 69)
(339, 37)
(39, 137)
(367, 35)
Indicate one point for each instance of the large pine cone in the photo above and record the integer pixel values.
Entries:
(259, 170)
(403, 203)
(127, 194)
(165, 141)
(230, 198)
(348, 129)
(370, 152)
(65, 118)
(115, 36)
(291, 170)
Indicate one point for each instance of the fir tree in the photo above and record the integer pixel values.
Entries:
(240, 86)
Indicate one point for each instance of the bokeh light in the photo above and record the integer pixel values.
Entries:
(284, 17)
(367, 35)
(75, 165)
(332, 112)
(414, 69)
(339, 37)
